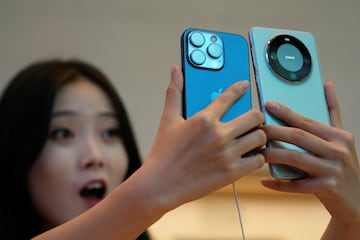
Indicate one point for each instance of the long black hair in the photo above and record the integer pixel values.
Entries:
(25, 112)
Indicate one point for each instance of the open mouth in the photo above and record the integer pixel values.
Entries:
(94, 190)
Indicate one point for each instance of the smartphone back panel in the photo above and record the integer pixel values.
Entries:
(211, 62)
(287, 70)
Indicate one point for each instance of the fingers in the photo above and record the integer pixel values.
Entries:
(243, 145)
(173, 102)
(241, 125)
(301, 160)
(298, 186)
(248, 142)
(333, 105)
(300, 138)
(248, 164)
(296, 120)
(222, 103)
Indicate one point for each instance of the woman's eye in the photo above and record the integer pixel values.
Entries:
(112, 133)
(62, 133)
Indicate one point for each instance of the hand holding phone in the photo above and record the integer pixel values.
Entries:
(287, 70)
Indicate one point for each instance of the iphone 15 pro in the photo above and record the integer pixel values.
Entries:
(211, 62)
(287, 70)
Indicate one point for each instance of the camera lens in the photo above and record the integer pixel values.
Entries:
(197, 39)
(214, 50)
(288, 57)
(197, 57)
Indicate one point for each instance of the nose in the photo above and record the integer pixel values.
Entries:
(91, 155)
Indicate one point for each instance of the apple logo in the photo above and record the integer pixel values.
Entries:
(215, 94)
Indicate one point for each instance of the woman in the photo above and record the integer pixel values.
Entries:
(36, 121)
(67, 146)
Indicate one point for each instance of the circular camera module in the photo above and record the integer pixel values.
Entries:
(288, 57)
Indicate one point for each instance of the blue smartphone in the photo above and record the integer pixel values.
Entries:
(211, 62)
(287, 70)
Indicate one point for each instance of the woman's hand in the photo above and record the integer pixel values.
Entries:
(333, 167)
(192, 158)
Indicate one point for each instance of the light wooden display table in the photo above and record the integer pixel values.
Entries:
(266, 215)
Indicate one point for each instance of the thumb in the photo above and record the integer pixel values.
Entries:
(173, 100)
(333, 105)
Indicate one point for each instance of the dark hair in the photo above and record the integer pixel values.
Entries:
(25, 110)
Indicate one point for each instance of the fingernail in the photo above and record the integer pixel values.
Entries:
(273, 105)
(243, 85)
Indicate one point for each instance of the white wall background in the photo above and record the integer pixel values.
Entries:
(135, 42)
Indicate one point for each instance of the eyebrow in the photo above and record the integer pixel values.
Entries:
(71, 113)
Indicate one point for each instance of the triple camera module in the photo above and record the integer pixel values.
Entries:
(288, 57)
(205, 50)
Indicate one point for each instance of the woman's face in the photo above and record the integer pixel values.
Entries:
(83, 159)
